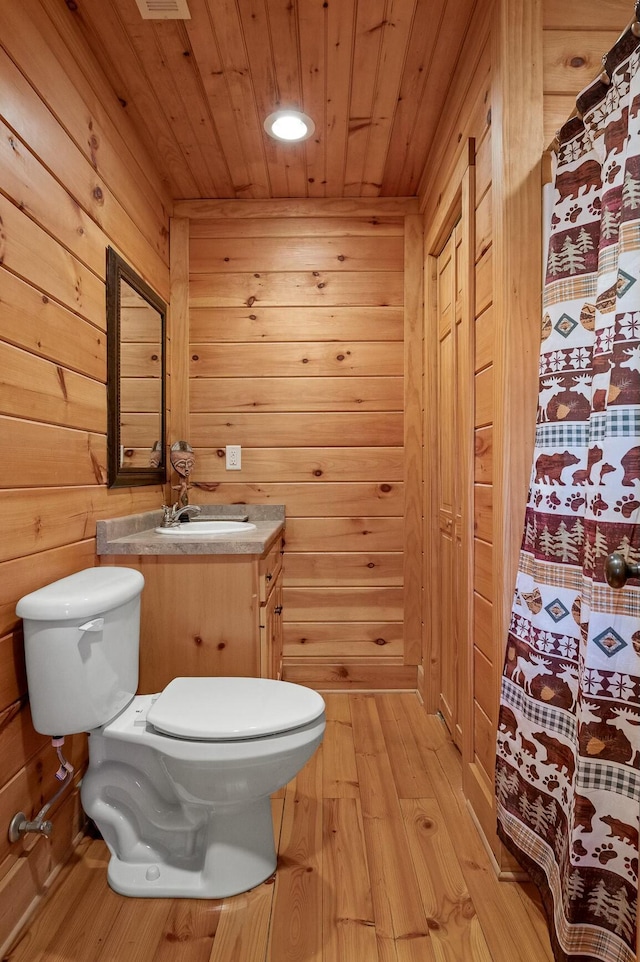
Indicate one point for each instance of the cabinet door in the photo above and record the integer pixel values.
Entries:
(198, 617)
(269, 569)
(271, 633)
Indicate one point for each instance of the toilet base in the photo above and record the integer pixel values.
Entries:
(240, 854)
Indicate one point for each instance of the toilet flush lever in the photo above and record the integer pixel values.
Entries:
(96, 625)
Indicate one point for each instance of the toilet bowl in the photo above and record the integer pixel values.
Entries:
(178, 783)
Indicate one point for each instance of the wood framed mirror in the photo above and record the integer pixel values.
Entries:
(136, 367)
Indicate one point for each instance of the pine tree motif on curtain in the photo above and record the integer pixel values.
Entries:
(568, 750)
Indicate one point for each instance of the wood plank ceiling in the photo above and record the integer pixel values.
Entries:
(373, 74)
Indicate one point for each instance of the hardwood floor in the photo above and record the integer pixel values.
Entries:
(378, 862)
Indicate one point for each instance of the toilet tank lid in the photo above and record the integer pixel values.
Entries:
(82, 595)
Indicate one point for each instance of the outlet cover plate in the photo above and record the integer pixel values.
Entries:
(233, 457)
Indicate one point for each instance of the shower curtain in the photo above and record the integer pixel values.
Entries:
(568, 749)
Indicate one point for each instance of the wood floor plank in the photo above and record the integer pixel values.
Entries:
(431, 727)
(419, 949)
(453, 921)
(59, 905)
(190, 931)
(397, 906)
(449, 758)
(296, 924)
(520, 905)
(532, 903)
(386, 948)
(137, 934)
(347, 911)
(243, 927)
(410, 774)
(340, 773)
(100, 913)
(510, 935)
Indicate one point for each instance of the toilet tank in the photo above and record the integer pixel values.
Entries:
(81, 641)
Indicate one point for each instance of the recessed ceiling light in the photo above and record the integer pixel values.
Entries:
(289, 125)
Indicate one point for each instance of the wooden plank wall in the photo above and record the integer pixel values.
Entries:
(72, 181)
(576, 35)
(297, 354)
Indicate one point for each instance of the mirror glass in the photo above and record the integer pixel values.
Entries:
(135, 377)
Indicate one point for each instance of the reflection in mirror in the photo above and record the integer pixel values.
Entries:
(135, 377)
(140, 378)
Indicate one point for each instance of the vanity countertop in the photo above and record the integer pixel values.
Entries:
(135, 535)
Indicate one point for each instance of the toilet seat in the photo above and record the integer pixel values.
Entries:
(227, 709)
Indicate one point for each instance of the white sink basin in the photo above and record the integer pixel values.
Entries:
(209, 528)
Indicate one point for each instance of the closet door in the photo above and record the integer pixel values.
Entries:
(448, 554)
(450, 459)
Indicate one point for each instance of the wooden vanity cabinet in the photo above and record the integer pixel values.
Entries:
(208, 615)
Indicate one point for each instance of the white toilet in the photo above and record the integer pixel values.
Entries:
(178, 783)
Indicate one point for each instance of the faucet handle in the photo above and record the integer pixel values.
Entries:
(168, 513)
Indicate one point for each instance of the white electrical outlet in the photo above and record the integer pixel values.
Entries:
(234, 457)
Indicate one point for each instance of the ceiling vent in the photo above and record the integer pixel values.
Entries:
(164, 9)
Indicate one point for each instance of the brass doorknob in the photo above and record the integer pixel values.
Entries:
(617, 570)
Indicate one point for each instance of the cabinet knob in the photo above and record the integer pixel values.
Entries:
(277, 610)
